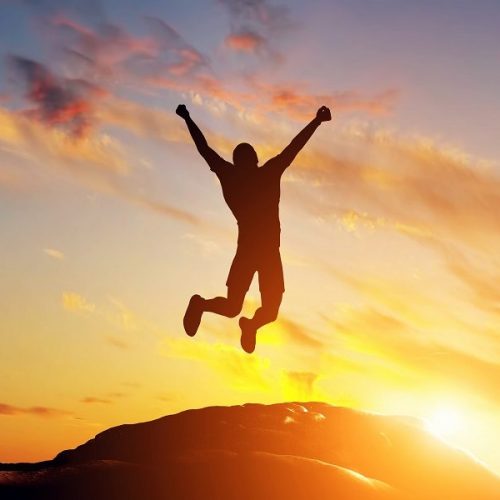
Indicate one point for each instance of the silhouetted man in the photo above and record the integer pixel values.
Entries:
(253, 194)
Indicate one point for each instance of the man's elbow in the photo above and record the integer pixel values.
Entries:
(203, 149)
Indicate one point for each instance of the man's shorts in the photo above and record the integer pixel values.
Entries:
(266, 262)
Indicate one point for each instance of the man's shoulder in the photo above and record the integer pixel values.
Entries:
(276, 163)
(221, 167)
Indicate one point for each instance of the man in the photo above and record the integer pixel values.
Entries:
(253, 194)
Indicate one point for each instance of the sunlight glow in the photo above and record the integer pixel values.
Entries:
(445, 422)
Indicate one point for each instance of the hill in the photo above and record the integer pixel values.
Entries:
(286, 450)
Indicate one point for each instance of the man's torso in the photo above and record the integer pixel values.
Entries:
(253, 197)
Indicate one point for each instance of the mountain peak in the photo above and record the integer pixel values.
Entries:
(286, 450)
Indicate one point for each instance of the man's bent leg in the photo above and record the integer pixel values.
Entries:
(238, 282)
(272, 286)
(229, 306)
(268, 311)
(265, 314)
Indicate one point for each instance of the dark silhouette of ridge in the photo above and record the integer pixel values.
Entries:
(286, 450)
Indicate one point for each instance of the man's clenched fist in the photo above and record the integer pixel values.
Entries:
(323, 114)
(182, 111)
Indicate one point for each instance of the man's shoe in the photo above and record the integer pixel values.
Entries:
(248, 335)
(193, 315)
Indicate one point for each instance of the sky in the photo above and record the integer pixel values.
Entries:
(110, 221)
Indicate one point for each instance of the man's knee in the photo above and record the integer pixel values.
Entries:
(271, 314)
(234, 305)
(268, 313)
(233, 309)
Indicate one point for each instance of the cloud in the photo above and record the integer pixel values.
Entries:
(106, 58)
(297, 334)
(402, 334)
(74, 302)
(240, 370)
(479, 276)
(131, 384)
(300, 103)
(245, 42)
(411, 184)
(300, 385)
(100, 60)
(116, 395)
(117, 342)
(182, 58)
(256, 26)
(54, 254)
(109, 54)
(37, 411)
(92, 400)
(98, 162)
(57, 101)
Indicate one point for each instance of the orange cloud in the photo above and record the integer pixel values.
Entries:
(57, 101)
(98, 161)
(410, 184)
(245, 42)
(300, 103)
(256, 26)
(108, 51)
(37, 411)
(92, 399)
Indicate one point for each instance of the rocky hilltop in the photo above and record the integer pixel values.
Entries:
(253, 451)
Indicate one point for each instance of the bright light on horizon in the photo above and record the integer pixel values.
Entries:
(445, 422)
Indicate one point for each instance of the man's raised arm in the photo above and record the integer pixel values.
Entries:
(210, 156)
(299, 141)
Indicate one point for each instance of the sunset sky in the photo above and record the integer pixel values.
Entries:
(110, 220)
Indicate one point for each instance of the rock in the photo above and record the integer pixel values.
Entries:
(286, 450)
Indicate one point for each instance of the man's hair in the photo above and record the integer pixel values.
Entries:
(244, 155)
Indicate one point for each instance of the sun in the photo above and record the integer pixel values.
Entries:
(445, 422)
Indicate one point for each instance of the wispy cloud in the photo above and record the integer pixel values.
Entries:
(94, 399)
(404, 332)
(56, 101)
(54, 254)
(75, 302)
(117, 342)
(37, 411)
(256, 25)
(98, 162)
(410, 184)
(245, 42)
(243, 371)
(300, 386)
(299, 101)
(107, 53)
(296, 333)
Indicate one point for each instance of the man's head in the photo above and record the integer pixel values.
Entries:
(244, 156)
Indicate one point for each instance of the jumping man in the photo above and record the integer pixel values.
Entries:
(253, 195)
